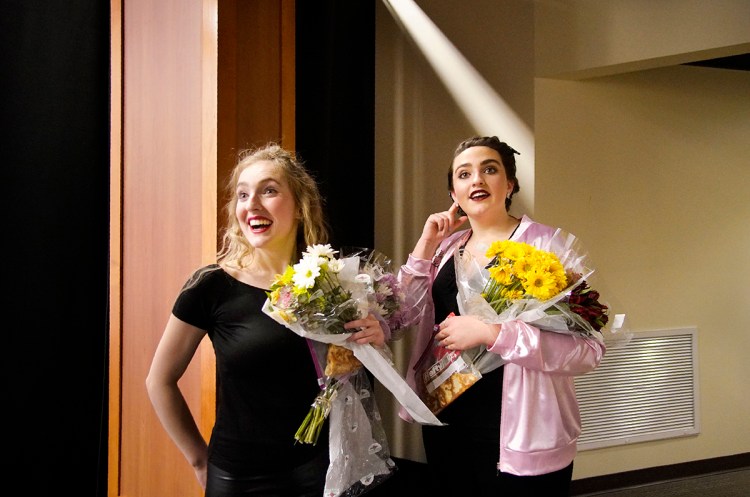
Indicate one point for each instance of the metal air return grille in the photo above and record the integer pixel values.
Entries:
(645, 390)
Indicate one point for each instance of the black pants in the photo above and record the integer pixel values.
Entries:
(307, 480)
(555, 484)
(460, 479)
(462, 456)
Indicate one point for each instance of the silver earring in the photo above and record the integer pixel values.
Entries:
(508, 196)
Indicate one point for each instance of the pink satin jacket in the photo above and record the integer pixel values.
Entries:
(540, 422)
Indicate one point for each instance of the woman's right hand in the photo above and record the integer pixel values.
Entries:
(437, 227)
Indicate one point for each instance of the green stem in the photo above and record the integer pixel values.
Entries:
(311, 427)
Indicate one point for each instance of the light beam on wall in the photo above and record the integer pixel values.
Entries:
(485, 110)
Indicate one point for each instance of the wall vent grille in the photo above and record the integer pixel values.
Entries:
(645, 390)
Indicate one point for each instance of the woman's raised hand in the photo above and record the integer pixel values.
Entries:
(437, 227)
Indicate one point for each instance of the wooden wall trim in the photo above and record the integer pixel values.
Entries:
(167, 223)
(210, 56)
(166, 141)
(115, 249)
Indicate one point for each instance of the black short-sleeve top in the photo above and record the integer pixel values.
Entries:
(266, 378)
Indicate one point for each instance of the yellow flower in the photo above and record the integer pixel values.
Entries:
(518, 270)
(513, 293)
(287, 316)
(299, 291)
(286, 278)
(508, 250)
(540, 284)
(503, 275)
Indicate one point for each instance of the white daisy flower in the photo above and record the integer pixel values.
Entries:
(320, 250)
(335, 265)
(378, 308)
(384, 289)
(305, 273)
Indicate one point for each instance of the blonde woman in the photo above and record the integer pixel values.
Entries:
(266, 377)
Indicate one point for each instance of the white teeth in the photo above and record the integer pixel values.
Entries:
(259, 224)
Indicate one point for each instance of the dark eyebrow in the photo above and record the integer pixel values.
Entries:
(483, 163)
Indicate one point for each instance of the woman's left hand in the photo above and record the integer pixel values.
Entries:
(465, 332)
(369, 330)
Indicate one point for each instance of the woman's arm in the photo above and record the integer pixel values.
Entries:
(437, 228)
(173, 355)
(415, 276)
(520, 343)
(547, 351)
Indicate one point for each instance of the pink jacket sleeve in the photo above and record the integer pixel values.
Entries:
(547, 351)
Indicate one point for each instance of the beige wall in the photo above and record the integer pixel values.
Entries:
(586, 38)
(649, 167)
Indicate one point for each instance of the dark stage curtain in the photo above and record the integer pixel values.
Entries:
(335, 135)
(55, 177)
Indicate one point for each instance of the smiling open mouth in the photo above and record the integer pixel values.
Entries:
(259, 224)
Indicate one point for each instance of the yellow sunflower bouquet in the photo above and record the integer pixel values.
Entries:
(546, 287)
(523, 282)
(518, 271)
(525, 278)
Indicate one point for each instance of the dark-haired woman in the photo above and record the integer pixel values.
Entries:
(514, 432)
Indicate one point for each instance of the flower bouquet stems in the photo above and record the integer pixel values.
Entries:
(309, 431)
(340, 364)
